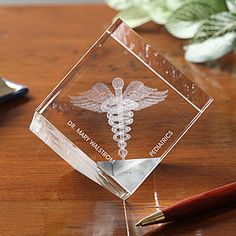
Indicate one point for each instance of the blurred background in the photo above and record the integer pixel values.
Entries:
(47, 1)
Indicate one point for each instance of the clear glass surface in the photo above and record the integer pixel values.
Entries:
(119, 111)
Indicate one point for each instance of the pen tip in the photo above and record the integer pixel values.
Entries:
(138, 224)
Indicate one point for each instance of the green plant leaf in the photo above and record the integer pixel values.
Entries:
(119, 4)
(231, 4)
(174, 4)
(125, 4)
(210, 49)
(159, 11)
(134, 16)
(186, 20)
(216, 5)
(217, 25)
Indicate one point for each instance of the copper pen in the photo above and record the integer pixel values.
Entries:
(193, 206)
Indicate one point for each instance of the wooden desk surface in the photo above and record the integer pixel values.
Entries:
(40, 194)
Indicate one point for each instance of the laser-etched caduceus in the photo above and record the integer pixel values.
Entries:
(119, 106)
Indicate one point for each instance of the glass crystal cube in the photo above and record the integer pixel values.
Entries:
(119, 111)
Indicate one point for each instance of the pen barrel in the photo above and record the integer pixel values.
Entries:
(201, 203)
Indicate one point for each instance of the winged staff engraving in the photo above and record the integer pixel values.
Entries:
(119, 106)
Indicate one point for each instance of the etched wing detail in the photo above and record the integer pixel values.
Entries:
(144, 96)
(93, 98)
(119, 106)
